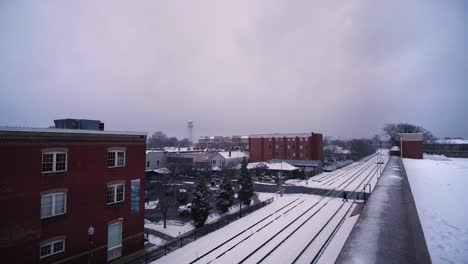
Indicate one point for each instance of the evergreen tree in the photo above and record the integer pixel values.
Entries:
(200, 202)
(246, 190)
(225, 198)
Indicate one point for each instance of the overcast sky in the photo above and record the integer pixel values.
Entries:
(342, 68)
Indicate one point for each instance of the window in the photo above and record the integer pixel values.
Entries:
(300, 155)
(115, 193)
(114, 241)
(289, 147)
(277, 146)
(116, 158)
(157, 163)
(54, 162)
(53, 204)
(147, 164)
(52, 248)
(213, 162)
(294, 154)
(294, 146)
(301, 147)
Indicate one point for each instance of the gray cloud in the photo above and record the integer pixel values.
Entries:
(343, 68)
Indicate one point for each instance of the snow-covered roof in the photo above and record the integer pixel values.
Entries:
(298, 163)
(234, 154)
(410, 136)
(162, 171)
(283, 166)
(182, 149)
(256, 165)
(154, 151)
(337, 149)
(454, 141)
(395, 148)
(70, 131)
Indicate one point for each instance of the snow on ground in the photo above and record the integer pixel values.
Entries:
(151, 205)
(334, 248)
(189, 252)
(439, 190)
(265, 196)
(156, 241)
(173, 227)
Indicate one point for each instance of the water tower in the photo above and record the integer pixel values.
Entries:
(190, 130)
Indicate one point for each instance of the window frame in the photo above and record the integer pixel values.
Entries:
(114, 195)
(116, 160)
(51, 244)
(53, 213)
(54, 161)
(118, 247)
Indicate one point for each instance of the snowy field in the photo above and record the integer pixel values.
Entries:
(175, 228)
(156, 241)
(439, 187)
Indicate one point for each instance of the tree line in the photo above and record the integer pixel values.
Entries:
(160, 140)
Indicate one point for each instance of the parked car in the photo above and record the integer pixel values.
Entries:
(185, 209)
(265, 178)
(182, 196)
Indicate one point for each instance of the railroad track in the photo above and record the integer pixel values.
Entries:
(353, 177)
(373, 170)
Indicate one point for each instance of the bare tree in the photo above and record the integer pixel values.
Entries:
(392, 130)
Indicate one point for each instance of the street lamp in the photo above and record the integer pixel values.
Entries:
(91, 245)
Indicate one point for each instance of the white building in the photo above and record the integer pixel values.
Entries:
(155, 159)
(228, 159)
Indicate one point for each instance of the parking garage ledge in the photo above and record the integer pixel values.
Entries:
(388, 229)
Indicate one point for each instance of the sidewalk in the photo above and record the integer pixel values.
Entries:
(388, 230)
(159, 234)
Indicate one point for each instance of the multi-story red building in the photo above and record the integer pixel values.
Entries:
(70, 195)
(301, 146)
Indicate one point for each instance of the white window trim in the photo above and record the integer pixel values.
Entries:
(53, 204)
(52, 252)
(114, 186)
(54, 161)
(116, 159)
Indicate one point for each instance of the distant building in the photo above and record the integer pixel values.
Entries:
(221, 142)
(59, 184)
(411, 145)
(302, 146)
(240, 142)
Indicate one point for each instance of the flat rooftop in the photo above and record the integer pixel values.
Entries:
(281, 135)
(68, 131)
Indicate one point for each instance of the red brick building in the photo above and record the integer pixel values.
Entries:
(411, 145)
(57, 183)
(301, 146)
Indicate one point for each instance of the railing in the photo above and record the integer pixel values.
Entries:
(194, 234)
